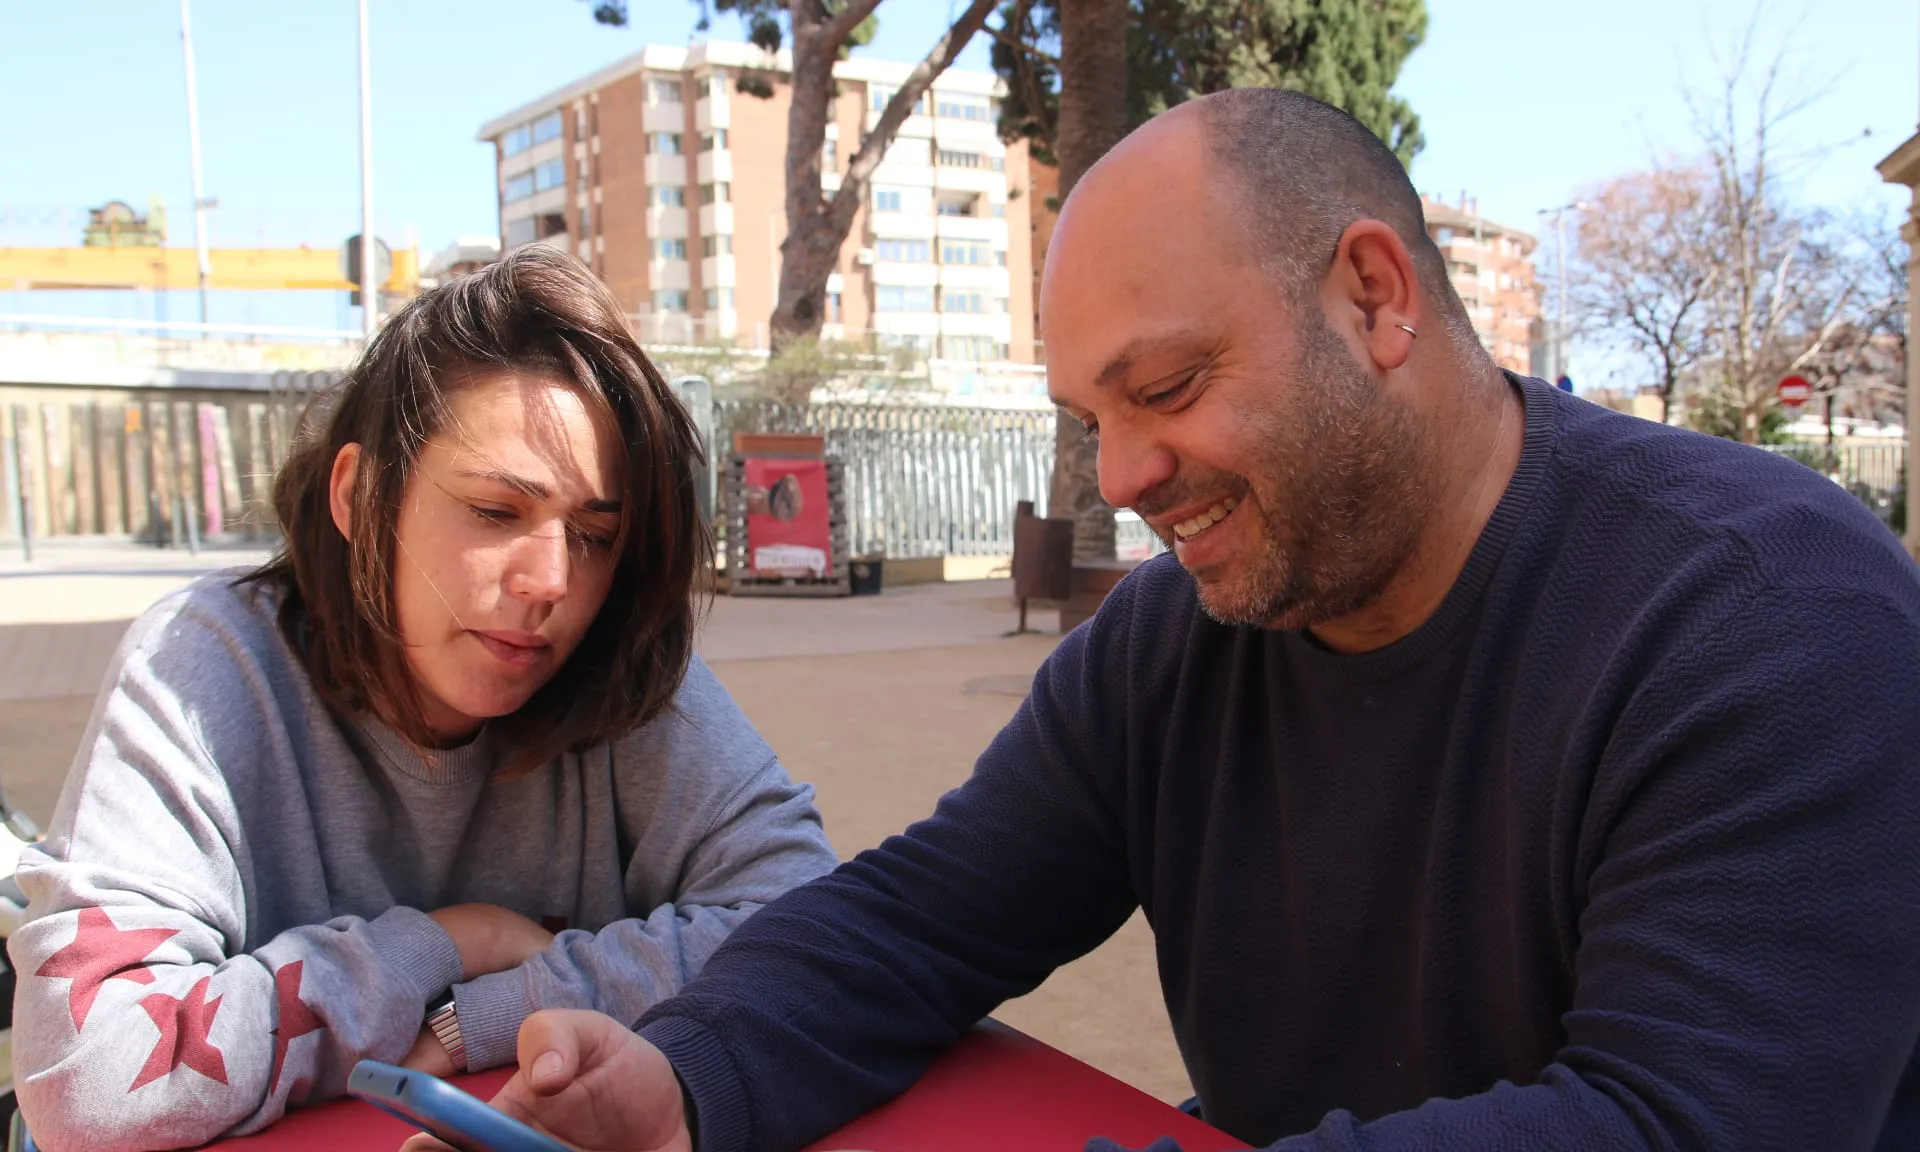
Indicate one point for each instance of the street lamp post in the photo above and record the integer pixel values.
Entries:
(1560, 284)
(369, 283)
(200, 201)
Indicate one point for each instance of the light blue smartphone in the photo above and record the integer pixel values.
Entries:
(443, 1111)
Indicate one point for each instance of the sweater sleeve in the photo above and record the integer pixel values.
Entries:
(837, 996)
(724, 832)
(1748, 886)
(140, 1022)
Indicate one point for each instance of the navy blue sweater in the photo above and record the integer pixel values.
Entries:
(1620, 849)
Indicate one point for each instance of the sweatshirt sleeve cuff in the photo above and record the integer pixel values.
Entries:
(415, 947)
(491, 1010)
(706, 1071)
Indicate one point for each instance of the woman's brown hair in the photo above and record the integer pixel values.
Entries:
(538, 311)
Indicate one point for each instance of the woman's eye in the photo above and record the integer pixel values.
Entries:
(593, 540)
(491, 515)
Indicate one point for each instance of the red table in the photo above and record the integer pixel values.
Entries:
(998, 1090)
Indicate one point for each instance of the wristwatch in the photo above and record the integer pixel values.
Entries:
(444, 1019)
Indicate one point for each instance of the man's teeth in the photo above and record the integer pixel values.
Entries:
(1190, 528)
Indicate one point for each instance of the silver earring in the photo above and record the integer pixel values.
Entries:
(1404, 328)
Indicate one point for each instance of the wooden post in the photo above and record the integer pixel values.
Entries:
(110, 428)
(138, 469)
(229, 471)
(86, 490)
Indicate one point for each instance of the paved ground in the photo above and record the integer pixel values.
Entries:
(880, 702)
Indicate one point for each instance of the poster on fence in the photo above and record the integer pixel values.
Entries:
(789, 526)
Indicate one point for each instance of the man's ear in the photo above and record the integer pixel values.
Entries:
(1375, 293)
(346, 468)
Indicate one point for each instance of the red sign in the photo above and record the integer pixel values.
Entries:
(1795, 391)
(788, 527)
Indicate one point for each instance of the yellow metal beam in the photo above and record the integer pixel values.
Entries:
(24, 269)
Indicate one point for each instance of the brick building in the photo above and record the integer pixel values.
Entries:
(670, 183)
(1491, 266)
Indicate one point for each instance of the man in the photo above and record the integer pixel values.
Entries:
(1494, 770)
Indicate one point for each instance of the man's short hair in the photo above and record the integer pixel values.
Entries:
(1305, 171)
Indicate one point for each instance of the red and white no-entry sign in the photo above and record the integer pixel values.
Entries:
(1795, 391)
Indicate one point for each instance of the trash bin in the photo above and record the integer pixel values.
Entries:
(864, 574)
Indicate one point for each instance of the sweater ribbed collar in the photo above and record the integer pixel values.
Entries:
(437, 766)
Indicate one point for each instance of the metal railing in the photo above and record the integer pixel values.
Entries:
(1874, 473)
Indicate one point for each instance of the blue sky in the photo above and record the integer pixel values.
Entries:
(1523, 102)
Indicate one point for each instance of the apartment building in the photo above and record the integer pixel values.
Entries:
(670, 183)
(1491, 266)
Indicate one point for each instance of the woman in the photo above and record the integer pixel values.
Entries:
(446, 760)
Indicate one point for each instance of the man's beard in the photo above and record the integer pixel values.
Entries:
(1340, 505)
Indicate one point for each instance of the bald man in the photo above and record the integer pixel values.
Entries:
(1495, 771)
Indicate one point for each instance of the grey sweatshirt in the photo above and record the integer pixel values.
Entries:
(229, 908)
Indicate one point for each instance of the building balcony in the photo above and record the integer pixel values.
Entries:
(710, 113)
(975, 277)
(666, 221)
(916, 126)
(665, 118)
(982, 180)
(985, 229)
(905, 275)
(925, 325)
(997, 325)
(901, 226)
(669, 274)
(715, 165)
(719, 272)
(666, 169)
(716, 219)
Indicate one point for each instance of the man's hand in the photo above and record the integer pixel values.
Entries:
(590, 1082)
(491, 938)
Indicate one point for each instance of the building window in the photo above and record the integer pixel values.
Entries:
(551, 224)
(664, 143)
(971, 348)
(828, 156)
(663, 91)
(547, 127)
(1000, 257)
(960, 252)
(669, 196)
(518, 188)
(516, 141)
(518, 232)
(716, 85)
(877, 97)
(952, 159)
(886, 199)
(720, 245)
(552, 174)
(714, 139)
(970, 302)
(669, 248)
(963, 108)
(670, 300)
(1443, 236)
(714, 193)
(893, 298)
(583, 122)
(833, 308)
(906, 251)
(586, 220)
(719, 299)
(954, 207)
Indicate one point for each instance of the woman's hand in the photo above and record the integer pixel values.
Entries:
(491, 938)
(429, 1055)
(589, 1081)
